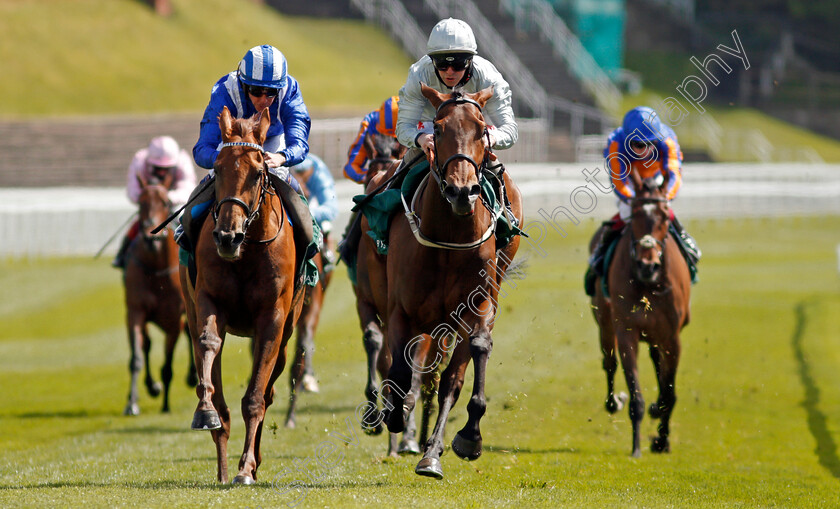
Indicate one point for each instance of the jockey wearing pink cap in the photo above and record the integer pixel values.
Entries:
(154, 163)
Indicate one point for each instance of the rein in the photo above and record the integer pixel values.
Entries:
(438, 173)
(251, 211)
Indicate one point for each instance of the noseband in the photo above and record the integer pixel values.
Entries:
(251, 211)
(647, 241)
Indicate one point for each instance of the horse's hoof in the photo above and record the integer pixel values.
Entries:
(310, 384)
(616, 402)
(290, 424)
(654, 410)
(408, 447)
(243, 479)
(660, 444)
(466, 449)
(429, 467)
(637, 453)
(374, 430)
(154, 389)
(206, 420)
(132, 409)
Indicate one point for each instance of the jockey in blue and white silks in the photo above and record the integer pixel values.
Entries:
(319, 182)
(260, 81)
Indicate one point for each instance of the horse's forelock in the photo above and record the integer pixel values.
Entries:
(242, 127)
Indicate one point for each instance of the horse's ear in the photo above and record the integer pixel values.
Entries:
(435, 97)
(264, 122)
(664, 186)
(225, 124)
(167, 180)
(140, 180)
(482, 96)
(369, 146)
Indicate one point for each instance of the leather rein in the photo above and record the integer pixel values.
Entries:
(438, 172)
(251, 211)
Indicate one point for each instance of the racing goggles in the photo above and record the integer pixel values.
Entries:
(262, 91)
(458, 62)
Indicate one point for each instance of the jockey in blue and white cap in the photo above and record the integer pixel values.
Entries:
(260, 81)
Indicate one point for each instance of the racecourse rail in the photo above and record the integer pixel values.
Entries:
(78, 221)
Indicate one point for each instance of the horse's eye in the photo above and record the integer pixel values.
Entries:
(438, 129)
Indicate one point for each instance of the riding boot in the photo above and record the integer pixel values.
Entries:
(687, 244)
(610, 230)
(119, 259)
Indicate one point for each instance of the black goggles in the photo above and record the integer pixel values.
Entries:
(456, 62)
(639, 145)
(262, 91)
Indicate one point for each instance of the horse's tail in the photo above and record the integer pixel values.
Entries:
(517, 269)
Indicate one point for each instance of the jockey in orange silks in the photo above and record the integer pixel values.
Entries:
(382, 121)
(646, 145)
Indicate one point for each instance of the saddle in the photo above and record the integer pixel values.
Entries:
(307, 234)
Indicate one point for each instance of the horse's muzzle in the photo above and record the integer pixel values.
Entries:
(228, 243)
(462, 199)
(648, 271)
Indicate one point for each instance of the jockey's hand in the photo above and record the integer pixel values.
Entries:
(426, 143)
(274, 160)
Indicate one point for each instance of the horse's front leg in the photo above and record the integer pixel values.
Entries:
(628, 346)
(451, 382)
(135, 362)
(669, 358)
(152, 386)
(467, 442)
(173, 330)
(606, 334)
(373, 340)
(269, 362)
(207, 346)
(400, 399)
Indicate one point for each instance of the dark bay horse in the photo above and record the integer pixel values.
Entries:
(649, 285)
(245, 284)
(307, 324)
(152, 293)
(371, 300)
(442, 283)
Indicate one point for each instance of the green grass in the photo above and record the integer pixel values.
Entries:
(89, 57)
(757, 423)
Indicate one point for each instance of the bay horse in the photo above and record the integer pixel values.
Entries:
(444, 281)
(371, 300)
(649, 286)
(153, 293)
(245, 260)
(307, 324)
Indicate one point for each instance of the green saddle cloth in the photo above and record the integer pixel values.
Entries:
(381, 207)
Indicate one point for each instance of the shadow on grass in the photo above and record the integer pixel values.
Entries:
(145, 485)
(817, 423)
(502, 449)
(148, 430)
(61, 414)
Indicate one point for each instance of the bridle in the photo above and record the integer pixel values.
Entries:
(251, 211)
(438, 171)
(647, 241)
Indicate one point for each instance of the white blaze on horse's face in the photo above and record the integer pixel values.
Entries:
(649, 208)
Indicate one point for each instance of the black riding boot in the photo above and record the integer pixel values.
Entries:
(686, 242)
(596, 259)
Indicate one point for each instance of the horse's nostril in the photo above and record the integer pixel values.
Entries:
(475, 190)
(238, 239)
(451, 193)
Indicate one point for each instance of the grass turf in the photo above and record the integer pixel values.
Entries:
(756, 424)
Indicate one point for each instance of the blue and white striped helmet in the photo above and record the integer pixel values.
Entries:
(263, 66)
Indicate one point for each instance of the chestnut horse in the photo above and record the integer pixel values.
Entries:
(650, 285)
(442, 283)
(245, 284)
(371, 297)
(153, 294)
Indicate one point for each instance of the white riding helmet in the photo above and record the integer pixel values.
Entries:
(451, 36)
(163, 151)
(263, 66)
